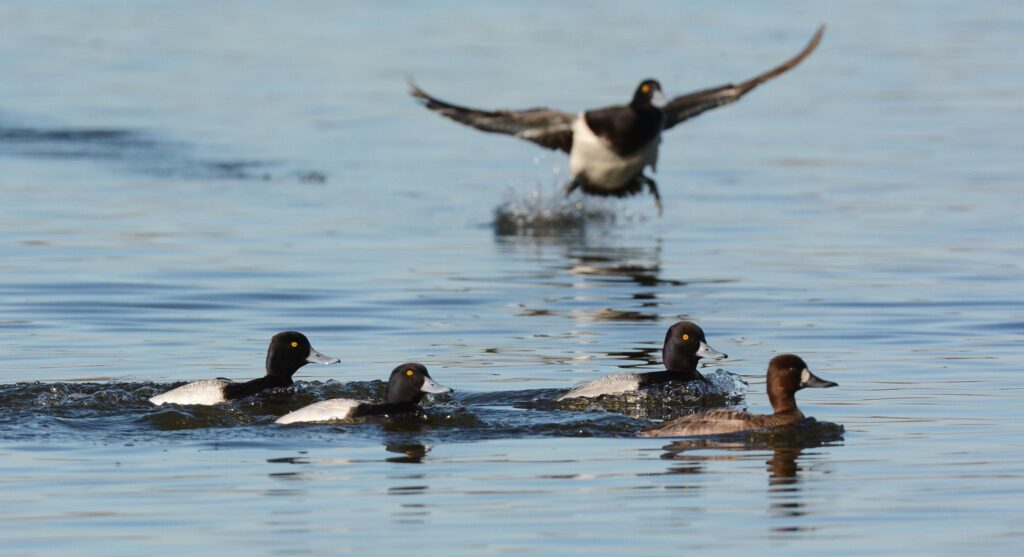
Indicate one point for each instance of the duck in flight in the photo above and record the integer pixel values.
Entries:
(610, 147)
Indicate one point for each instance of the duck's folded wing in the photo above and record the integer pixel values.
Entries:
(323, 411)
(689, 105)
(712, 422)
(543, 126)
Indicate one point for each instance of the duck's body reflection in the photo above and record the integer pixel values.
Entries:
(787, 447)
(412, 453)
(570, 270)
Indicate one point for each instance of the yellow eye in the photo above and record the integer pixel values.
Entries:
(408, 372)
(295, 344)
(646, 88)
(686, 336)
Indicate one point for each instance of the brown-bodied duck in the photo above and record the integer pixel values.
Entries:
(787, 374)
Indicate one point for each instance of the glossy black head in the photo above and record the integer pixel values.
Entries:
(648, 95)
(788, 374)
(409, 382)
(291, 350)
(684, 346)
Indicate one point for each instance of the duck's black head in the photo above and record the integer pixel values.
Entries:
(684, 346)
(291, 350)
(788, 374)
(409, 382)
(648, 95)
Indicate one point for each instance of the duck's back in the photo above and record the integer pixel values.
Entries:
(209, 391)
(719, 422)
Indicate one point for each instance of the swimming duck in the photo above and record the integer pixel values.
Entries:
(406, 387)
(288, 352)
(787, 374)
(609, 147)
(684, 346)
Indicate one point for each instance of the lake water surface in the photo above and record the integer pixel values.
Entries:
(181, 180)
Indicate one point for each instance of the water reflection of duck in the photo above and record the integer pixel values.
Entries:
(610, 147)
(412, 453)
(781, 466)
(408, 384)
(787, 374)
(631, 273)
(684, 346)
(288, 351)
(787, 447)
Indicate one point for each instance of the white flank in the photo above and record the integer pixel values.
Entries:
(603, 168)
(206, 392)
(607, 385)
(323, 411)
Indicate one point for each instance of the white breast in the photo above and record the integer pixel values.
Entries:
(323, 411)
(209, 391)
(607, 385)
(603, 168)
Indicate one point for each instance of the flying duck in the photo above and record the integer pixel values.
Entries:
(610, 147)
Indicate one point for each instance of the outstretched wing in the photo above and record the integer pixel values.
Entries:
(687, 106)
(543, 126)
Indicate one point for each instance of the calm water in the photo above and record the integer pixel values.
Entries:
(182, 180)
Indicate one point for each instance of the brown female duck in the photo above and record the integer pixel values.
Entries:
(787, 374)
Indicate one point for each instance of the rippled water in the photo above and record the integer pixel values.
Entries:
(181, 181)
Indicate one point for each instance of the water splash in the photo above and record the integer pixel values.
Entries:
(122, 411)
(668, 400)
(550, 213)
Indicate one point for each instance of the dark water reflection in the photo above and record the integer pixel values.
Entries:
(785, 447)
(138, 151)
(587, 263)
(412, 453)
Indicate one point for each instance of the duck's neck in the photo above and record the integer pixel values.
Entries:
(242, 390)
(399, 396)
(281, 365)
(386, 408)
(642, 104)
(681, 366)
(686, 375)
(782, 401)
